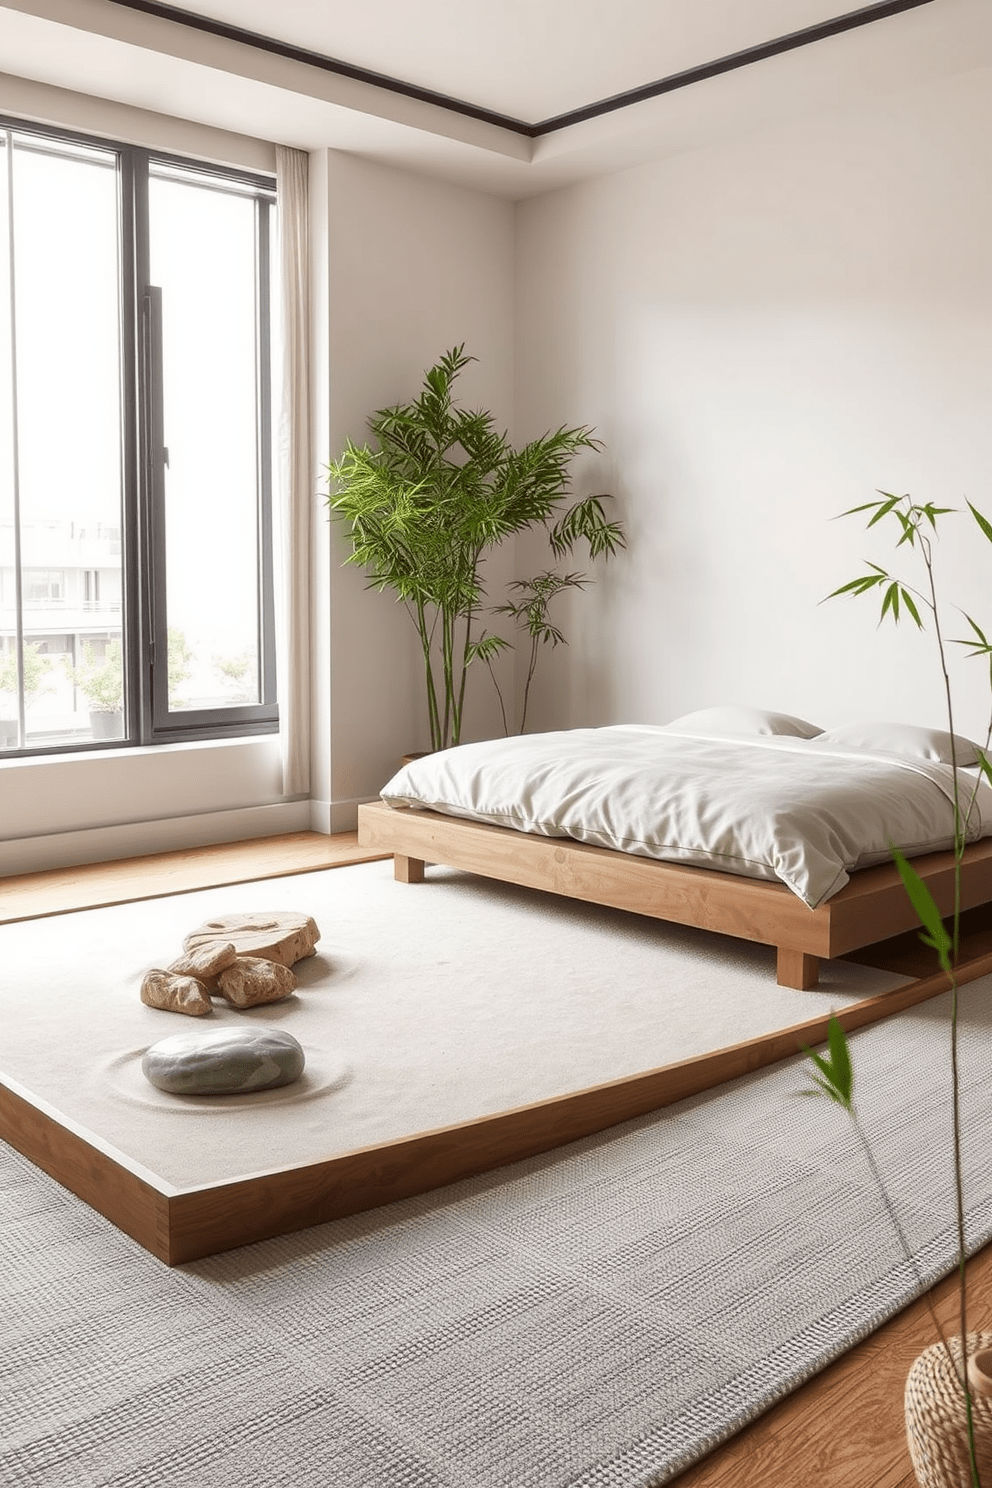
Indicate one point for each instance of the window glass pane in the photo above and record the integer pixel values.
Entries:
(83, 395)
(8, 587)
(63, 516)
(203, 258)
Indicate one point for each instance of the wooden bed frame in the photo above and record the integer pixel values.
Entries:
(873, 906)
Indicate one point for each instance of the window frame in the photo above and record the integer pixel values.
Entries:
(144, 620)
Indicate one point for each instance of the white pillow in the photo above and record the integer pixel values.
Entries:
(718, 722)
(903, 738)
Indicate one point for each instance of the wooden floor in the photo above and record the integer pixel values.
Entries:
(842, 1430)
(94, 885)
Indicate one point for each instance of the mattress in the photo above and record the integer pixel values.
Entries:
(804, 812)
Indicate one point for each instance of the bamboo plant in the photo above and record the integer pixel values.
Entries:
(529, 609)
(833, 1074)
(423, 511)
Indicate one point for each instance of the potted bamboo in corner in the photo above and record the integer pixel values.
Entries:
(441, 492)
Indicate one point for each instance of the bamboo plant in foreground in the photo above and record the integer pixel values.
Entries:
(833, 1072)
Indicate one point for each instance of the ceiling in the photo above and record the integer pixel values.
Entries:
(526, 61)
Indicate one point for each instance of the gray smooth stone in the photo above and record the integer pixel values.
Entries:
(224, 1061)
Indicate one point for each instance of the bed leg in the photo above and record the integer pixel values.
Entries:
(796, 969)
(408, 870)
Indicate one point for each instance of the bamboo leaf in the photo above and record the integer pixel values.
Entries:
(860, 585)
(983, 522)
(841, 1057)
(823, 1088)
(884, 507)
(978, 631)
(852, 511)
(908, 531)
(834, 1076)
(486, 648)
(927, 912)
(908, 601)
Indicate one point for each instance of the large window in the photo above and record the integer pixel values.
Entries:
(135, 544)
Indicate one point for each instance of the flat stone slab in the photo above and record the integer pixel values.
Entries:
(283, 936)
(224, 1061)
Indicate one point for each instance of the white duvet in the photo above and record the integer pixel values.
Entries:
(769, 807)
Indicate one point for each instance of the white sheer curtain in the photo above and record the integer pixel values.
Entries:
(295, 473)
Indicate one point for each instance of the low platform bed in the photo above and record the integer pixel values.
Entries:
(872, 907)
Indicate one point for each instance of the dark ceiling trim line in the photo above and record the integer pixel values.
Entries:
(788, 43)
(317, 59)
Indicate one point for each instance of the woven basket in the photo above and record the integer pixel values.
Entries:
(935, 1418)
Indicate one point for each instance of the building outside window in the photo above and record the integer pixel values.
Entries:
(135, 446)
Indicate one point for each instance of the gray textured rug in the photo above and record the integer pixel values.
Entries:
(598, 1318)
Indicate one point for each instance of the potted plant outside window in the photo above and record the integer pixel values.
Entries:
(36, 667)
(101, 681)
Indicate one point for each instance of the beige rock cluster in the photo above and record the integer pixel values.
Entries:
(243, 958)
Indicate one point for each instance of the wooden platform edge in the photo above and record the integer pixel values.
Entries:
(208, 1220)
(129, 1202)
(188, 1225)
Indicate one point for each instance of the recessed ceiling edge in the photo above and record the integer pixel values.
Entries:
(850, 21)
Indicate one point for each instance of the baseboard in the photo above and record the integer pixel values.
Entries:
(138, 839)
(336, 816)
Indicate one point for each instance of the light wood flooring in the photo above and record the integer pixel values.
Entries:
(843, 1429)
(94, 885)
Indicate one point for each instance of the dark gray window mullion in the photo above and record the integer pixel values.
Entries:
(129, 192)
(263, 402)
(156, 610)
(15, 451)
(145, 579)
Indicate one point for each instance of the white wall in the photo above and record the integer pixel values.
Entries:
(25, 99)
(764, 332)
(410, 267)
(115, 804)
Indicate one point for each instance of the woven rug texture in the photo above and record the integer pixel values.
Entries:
(594, 1318)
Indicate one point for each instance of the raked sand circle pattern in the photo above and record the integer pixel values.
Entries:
(324, 1073)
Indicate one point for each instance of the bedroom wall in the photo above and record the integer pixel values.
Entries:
(410, 267)
(763, 332)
